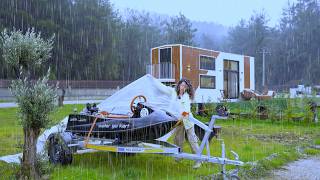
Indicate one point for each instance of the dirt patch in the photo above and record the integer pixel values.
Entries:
(284, 138)
(302, 169)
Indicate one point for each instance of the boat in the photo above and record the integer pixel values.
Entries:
(150, 126)
(122, 129)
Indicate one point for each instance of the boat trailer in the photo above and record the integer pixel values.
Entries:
(159, 146)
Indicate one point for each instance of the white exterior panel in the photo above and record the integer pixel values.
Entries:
(252, 74)
(214, 95)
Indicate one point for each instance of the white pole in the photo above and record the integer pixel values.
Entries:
(263, 67)
(223, 156)
(264, 52)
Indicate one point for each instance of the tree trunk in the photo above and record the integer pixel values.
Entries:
(29, 159)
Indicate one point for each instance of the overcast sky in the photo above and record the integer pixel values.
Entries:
(225, 12)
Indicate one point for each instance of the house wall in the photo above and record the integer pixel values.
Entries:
(176, 61)
(252, 74)
(247, 72)
(155, 60)
(190, 57)
(175, 54)
(214, 95)
(155, 54)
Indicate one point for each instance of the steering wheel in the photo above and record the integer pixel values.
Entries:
(136, 100)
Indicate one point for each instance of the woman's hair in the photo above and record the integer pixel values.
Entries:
(189, 89)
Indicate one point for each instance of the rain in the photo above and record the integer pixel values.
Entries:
(115, 69)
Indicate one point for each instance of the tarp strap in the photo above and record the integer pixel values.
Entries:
(89, 134)
(177, 124)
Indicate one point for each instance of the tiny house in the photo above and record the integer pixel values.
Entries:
(214, 75)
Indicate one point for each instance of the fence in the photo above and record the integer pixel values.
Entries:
(74, 89)
(92, 84)
(162, 70)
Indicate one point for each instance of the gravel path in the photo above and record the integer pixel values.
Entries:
(299, 170)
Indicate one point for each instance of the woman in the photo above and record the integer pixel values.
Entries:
(185, 95)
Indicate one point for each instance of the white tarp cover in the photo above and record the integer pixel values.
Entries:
(158, 96)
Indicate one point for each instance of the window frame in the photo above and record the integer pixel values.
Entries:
(205, 87)
(160, 54)
(214, 62)
(159, 60)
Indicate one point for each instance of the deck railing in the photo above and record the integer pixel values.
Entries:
(162, 70)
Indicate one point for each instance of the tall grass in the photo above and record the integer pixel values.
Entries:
(253, 139)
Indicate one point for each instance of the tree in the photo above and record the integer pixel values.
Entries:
(35, 99)
(179, 30)
(139, 34)
(93, 42)
(300, 39)
(208, 42)
(249, 38)
(238, 38)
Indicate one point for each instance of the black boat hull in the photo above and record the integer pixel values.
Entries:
(125, 130)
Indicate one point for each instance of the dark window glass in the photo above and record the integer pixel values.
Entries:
(165, 55)
(207, 82)
(231, 79)
(231, 65)
(207, 63)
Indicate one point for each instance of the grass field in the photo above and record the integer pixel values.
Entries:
(4, 100)
(267, 143)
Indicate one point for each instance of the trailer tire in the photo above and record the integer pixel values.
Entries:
(58, 150)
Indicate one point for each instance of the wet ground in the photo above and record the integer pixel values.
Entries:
(303, 169)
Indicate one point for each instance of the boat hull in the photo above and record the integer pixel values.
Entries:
(125, 130)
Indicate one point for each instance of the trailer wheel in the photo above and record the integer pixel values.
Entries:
(58, 151)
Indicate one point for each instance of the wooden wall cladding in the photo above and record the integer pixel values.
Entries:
(176, 61)
(190, 58)
(247, 72)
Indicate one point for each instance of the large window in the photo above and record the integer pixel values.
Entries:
(165, 55)
(165, 63)
(231, 79)
(207, 82)
(231, 65)
(207, 63)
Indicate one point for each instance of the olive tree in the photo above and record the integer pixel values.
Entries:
(35, 98)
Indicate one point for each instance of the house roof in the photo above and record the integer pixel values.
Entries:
(170, 45)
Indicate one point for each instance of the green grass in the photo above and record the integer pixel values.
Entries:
(311, 151)
(254, 140)
(278, 108)
(11, 136)
(11, 131)
(264, 166)
(317, 141)
(4, 100)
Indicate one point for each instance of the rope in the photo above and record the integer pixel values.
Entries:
(89, 134)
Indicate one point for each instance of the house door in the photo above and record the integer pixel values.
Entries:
(231, 79)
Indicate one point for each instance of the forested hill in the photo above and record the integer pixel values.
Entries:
(293, 45)
(93, 41)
